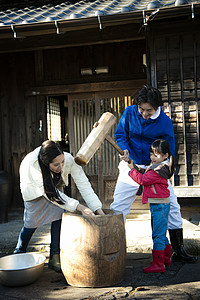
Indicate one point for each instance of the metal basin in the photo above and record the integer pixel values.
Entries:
(21, 269)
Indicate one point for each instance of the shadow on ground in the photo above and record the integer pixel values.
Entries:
(136, 285)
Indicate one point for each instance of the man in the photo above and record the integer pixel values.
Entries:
(139, 126)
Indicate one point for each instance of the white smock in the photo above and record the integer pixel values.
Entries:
(38, 209)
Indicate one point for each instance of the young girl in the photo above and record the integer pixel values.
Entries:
(156, 192)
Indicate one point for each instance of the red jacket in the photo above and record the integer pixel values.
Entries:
(155, 187)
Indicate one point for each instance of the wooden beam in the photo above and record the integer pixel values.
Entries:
(177, 26)
(187, 191)
(73, 38)
(85, 88)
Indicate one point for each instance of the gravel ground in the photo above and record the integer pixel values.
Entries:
(180, 281)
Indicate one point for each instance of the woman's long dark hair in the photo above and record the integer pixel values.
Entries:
(162, 147)
(48, 151)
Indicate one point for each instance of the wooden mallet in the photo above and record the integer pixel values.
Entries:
(96, 137)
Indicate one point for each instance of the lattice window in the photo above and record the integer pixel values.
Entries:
(53, 119)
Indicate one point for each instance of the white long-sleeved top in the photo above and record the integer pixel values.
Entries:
(31, 182)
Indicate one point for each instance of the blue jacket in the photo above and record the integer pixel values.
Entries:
(136, 134)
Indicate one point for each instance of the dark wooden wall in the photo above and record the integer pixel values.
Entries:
(19, 114)
(124, 61)
(23, 72)
(175, 70)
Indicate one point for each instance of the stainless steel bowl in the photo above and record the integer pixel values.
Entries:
(21, 269)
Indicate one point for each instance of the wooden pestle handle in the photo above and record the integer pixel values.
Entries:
(114, 144)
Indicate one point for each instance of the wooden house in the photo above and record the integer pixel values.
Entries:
(65, 63)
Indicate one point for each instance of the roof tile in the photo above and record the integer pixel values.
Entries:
(80, 9)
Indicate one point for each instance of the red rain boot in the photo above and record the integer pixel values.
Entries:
(157, 265)
(168, 253)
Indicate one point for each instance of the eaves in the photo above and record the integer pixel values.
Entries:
(143, 17)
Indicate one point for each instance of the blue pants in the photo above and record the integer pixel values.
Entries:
(26, 234)
(159, 221)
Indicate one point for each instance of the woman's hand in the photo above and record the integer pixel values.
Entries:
(84, 210)
(99, 212)
(125, 157)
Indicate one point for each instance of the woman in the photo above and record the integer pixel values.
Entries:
(43, 173)
(139, 126)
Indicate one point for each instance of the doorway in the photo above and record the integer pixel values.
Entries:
(85, 109)
(77, 111)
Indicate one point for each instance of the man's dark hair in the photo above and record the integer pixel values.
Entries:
(151, 95)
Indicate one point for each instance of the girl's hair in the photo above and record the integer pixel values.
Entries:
(162, 147)
(151, 95)
(48, 151)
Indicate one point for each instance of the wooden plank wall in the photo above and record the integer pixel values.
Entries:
(22, 110)
(175, 70)
(124, 61)
(19, 114)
